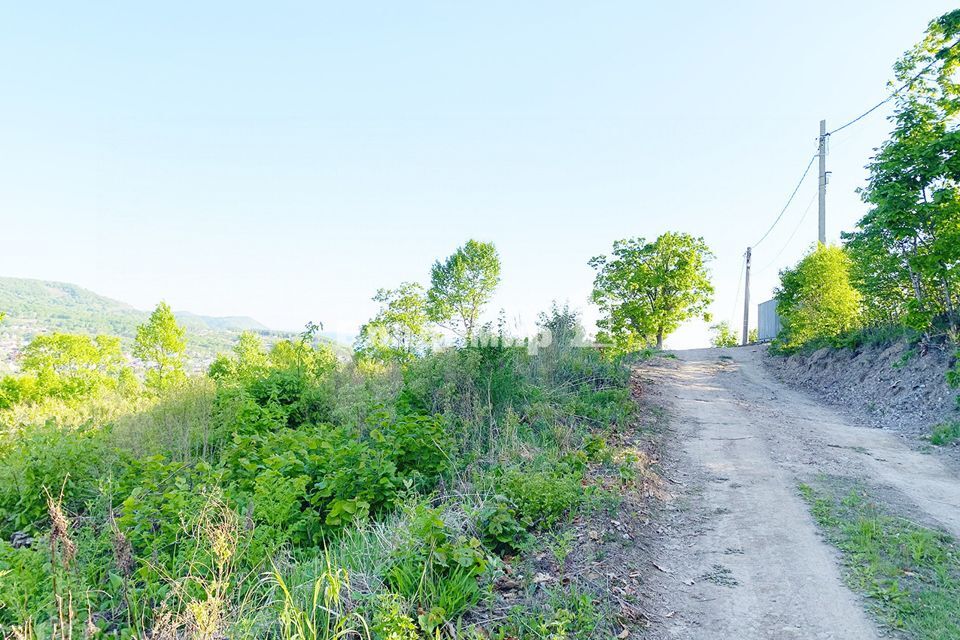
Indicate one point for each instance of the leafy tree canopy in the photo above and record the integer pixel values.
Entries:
(401, 329)
(462, 285)
(906, 249)
(645, 290)
(73, 367)
(816, 299)
(161, 345)
(251, 361)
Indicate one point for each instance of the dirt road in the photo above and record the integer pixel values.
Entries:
(740, 555)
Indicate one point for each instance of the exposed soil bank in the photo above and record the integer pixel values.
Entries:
(892, 387)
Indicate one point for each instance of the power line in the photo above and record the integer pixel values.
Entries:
(821, 152)
(789, 200)
(792, 234)
(937, 58)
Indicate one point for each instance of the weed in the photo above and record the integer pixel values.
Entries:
(560, 544)
(325, 614)
(500, 527)
(721, 576)
(436, 570)
(910, 572)
(569, 613)
(946, 433)
(405, 482)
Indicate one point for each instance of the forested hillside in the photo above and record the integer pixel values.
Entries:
(38, 306)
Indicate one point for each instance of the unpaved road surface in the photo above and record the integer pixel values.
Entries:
(737, 553)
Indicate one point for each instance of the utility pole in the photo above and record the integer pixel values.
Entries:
(746, 301)
(822, 232)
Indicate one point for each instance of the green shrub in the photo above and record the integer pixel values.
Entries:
(391, 620)
(816, 299)
(18, 389)
(723, 335)
(542, 495)
(350, 470)
(500, 528)
(596, 449)
(46, 457)
(25, 583)
(159, 500)
(472, 387)
(418, 445)
(341, 478)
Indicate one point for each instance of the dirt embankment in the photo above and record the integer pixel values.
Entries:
(892, 387)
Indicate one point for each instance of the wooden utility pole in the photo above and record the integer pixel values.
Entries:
(822, 153)
(746, 301)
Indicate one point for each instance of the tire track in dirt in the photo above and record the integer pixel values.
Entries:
(739, 555)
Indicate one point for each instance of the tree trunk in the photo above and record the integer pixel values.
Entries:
(659, 338)
(951, 317)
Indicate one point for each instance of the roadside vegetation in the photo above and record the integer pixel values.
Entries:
(289, 493)
(899, 270)
(897, 275)
(946, 433)
(909, 573)
(723, 335)
(895, 278)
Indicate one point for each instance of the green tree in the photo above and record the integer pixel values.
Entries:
(462, 285)
(161, 345)
(401, 329)
(306, 356)
(252, 358)
(72, 367)
(816, 299)
(723, 335)
(645, 290)
(249, 360)
(906, 249)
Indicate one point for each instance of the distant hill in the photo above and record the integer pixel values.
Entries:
(39, 306)
(227, 323)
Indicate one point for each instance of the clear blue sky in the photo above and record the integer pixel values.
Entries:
(284, 160)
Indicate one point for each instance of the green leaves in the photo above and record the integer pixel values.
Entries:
(73, 367)
(161, 345)
(723, 335)
(646, 290)
(816, 299)
(906, 250)
(401, 329)
(462, 285)
(500, 526)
